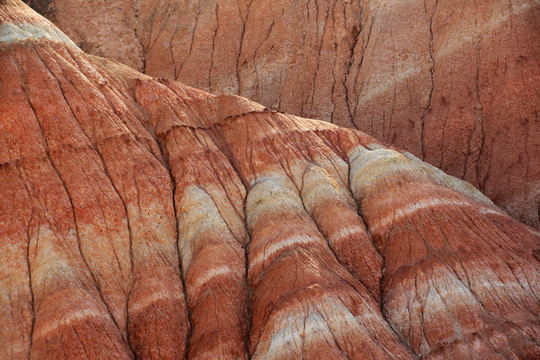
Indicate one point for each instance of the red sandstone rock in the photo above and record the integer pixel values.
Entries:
(455, 83)
(142, 218)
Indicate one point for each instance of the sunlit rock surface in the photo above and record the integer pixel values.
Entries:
(456, 83)
(145, 219)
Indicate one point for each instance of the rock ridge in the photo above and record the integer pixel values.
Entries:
(145, 219)
(454, 83)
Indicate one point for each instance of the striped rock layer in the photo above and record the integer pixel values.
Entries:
(145, 219)
(455, 82)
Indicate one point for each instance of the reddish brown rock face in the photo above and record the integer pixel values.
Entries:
(455, 83)
(145, 219)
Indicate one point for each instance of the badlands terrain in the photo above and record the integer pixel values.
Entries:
(454, 82)
(141, 218)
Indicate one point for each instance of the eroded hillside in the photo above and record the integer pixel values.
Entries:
(143, 218)
(454, 82)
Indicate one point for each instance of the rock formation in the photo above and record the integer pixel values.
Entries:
(145, 219)
(454, 82)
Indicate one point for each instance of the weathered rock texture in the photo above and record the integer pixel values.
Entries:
(454, 82)
(145, 219)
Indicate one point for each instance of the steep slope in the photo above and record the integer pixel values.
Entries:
(142, 218)
(455, 83)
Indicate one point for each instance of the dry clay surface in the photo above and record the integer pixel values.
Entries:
(455, 82)
(145, 219)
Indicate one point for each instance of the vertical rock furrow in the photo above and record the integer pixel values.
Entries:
(107, 232)
(148, 244)
(61, 277)
(455, 83)
(317, 309)
(145, 219)
(209, 199)
(327, 203)
(216, 290)
(144, 184)
(448, 264)
(291, 302)
(16, 294)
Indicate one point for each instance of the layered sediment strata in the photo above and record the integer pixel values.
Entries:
(142, 218)
(454, 83)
